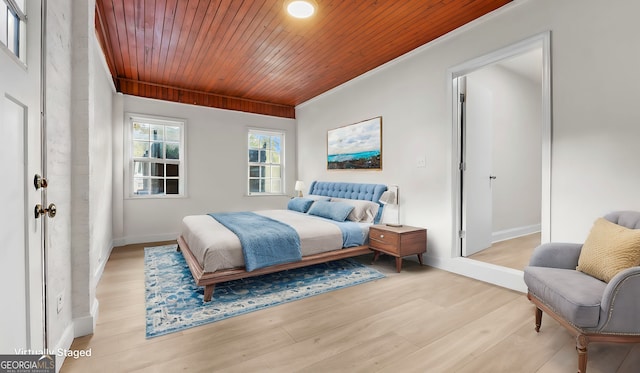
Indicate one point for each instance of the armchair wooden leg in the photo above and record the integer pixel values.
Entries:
(581, 346)
(538, 319)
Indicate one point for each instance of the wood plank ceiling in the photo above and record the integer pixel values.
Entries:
(251, 56)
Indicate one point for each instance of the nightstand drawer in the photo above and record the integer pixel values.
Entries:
(384, 240)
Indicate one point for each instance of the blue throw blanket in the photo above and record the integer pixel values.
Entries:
(265, 241)
(352, 234)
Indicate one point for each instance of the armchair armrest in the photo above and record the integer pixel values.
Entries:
(556, 255)
(621, 303)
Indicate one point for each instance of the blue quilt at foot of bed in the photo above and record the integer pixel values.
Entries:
(265, 241)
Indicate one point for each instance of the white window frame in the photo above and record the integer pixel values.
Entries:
(268, 132)
(129, 158)
(16, 8)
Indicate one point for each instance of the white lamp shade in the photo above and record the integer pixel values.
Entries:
(388, 198)
(299, 187)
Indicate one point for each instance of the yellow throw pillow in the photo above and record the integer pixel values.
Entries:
(609, 249)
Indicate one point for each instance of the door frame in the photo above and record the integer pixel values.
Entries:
(31, 100)
(542, 40)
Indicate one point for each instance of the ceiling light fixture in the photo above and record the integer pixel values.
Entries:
(301, 8)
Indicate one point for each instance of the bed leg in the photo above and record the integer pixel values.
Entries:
(208, 292)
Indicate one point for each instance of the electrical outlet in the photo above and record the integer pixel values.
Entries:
(60, 301)
(421, 162)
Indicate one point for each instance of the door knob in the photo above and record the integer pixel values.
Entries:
(39, 182)
(50, 211)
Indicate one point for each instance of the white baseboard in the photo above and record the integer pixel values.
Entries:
(505, 277)
(64, 344)
(144, 239)
(77, 328)
(511, 233)
(102, 263)
(86, 325)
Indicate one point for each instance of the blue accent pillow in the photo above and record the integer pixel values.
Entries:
(299, 204)
(337, 211)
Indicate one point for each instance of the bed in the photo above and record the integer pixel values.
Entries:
(215, 253)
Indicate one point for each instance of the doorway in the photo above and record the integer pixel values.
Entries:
(502, 158)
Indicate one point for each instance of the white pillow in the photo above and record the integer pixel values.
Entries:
(317, 197)
(363, 211)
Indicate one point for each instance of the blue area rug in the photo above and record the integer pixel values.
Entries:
(174, 302)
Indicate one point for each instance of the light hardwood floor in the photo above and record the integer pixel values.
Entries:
(420, 320)
(513, 253)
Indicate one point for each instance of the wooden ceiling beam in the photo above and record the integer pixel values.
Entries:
(193, 97)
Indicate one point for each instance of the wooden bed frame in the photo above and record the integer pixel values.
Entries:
(369, 192)
(210, 279)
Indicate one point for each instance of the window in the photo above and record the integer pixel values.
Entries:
(12, 26)
(156, 162)
(266, 162)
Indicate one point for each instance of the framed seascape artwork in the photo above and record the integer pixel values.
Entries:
(357, 146)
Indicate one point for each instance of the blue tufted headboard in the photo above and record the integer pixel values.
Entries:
(367, 192)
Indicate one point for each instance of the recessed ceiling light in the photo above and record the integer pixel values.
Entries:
(301, 8)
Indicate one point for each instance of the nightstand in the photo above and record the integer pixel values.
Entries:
(397, 241)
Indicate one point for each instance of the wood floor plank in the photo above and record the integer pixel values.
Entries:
(365, 357)
(506, 356)
(363, 302)
(433, 323)
(603, 358)
(631, 363)
(513, 253)
(337, 338)
(462, 344)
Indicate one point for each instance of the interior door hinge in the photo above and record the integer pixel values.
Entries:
(461, 97)
(461, 234)
(462, 166)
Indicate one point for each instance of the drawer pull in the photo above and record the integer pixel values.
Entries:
(382, 236)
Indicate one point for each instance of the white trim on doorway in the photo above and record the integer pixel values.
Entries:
(508, 234)
(501, 276)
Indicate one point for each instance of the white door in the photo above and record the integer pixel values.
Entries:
(477, 148)
(21, 323)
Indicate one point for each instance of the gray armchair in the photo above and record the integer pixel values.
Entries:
(592, 310)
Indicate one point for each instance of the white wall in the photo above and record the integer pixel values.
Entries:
(517, 144)
(82, 99)
(216, 142)
(101, 165)
(59, 74)
(594, 150)
(79, 160)
(91, 232)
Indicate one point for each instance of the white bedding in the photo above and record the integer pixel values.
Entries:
(215, 247)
